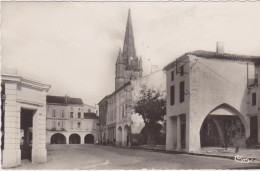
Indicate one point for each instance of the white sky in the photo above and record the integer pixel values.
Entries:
(74, 45)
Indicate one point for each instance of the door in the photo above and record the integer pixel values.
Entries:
(253, 128)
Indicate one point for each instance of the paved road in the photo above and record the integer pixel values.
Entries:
(83, 157)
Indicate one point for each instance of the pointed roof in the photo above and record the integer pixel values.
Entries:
(120, 59)
(129, 44)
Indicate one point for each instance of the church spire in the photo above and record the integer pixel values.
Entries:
(129, 44)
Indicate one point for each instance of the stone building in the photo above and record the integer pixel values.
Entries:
(23, 119)
(103, 120)
(128, 83)
(69, 121)
(211, 100)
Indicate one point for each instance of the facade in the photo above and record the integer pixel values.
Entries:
(23, 119)
(69, 123)
(208, 102)
(128, 83)
(103, 104)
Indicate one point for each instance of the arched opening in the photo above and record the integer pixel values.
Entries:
(223, 127)
(120, 135)
(58, 139)
(74, 139)
(89, 139)
(126, 136)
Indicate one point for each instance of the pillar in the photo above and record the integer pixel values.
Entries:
(178, 132)
(11, 151)
(171, 133)
(82, 138)
(39, 152)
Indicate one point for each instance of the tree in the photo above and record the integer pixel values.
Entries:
(151, 105)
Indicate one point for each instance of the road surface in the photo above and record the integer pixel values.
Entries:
(85, 157)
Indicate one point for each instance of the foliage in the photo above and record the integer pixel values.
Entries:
(151, 105)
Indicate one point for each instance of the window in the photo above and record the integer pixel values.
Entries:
(253, 99)
(182, 91)
(53, 113)
(62, 113)
(172, 95)
(182, 70)
(78, 124)
(79, 109)
(123, 110)
(172, 75)
(71, 114)
(58, 123)
(89, 110)
(79, 115)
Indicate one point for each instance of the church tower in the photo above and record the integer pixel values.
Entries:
(128, 65)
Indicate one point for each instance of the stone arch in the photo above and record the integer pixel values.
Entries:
(219, 124)
(126, 139)
(119, 135)
(58, 138)
(89, 139)
(74, 139)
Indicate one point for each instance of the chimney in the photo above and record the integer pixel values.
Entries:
(220, 47)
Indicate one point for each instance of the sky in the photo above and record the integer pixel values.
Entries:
(74, 45)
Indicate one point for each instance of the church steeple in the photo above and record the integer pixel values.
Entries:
(129, 44)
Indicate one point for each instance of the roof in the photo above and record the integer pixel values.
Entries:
(64, 100)
(223, 56)
(122, 87)
(90, 116)
(105, 98)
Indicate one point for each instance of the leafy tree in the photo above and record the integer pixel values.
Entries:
(151, 105)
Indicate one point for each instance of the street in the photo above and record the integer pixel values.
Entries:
(85, 157)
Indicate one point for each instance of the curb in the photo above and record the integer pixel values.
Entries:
(181, 152)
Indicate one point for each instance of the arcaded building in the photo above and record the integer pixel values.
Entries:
(212, 100)
(128, 83)
(70, 121)
(23, 116)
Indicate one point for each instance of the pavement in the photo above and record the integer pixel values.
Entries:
(99, 157)
(211, 152)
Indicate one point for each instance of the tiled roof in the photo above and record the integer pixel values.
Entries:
(90, 116)
(62, 100)
(216, 55)
(227, 56)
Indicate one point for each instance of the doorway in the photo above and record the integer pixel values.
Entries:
(253, 129)
(183, 131)
(26, 133)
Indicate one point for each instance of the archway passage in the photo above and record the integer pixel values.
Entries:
(126, 136)
(222, 131)
(119, 136)
(89, 139)
(58, 139)
(74, 139)
(26, 140)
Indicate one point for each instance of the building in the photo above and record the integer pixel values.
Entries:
(212, 99)
(103, 120)
(128, 83)
(23, 119)
(69, 121)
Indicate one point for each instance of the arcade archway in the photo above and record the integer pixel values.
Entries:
(58, 139)
(89, 139)
(74, 139)
(119, 135)
(223, 127)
